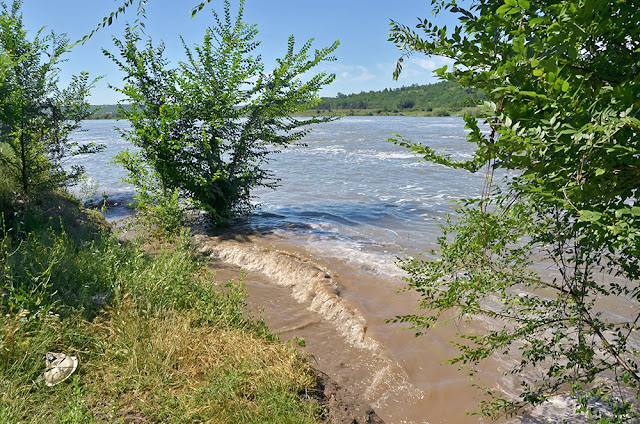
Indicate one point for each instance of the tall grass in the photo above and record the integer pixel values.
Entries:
(157, 341)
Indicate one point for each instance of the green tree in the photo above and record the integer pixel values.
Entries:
(208, 127)
(447, 95)
(36, 116)
(562, 78)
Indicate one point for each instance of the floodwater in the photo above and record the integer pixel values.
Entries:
(318, 256)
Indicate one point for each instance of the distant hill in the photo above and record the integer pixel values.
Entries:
(439, 99)
(104, 112)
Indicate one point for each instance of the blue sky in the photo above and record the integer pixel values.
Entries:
(365, 59)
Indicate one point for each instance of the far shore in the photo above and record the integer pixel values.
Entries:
(350, 112)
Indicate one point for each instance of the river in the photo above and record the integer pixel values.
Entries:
(319, 255)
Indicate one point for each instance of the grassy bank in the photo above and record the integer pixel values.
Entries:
(156, 340)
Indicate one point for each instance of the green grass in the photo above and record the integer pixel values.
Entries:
(156, 340)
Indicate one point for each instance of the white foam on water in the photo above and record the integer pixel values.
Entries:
(390, 155)
(440, 125)
(388, 386)
(378, 263)
(309, 283)
(415, 164)
(560, 409)
(333, 150)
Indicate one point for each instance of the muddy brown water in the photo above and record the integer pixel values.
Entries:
(320, 258)
(340, 313)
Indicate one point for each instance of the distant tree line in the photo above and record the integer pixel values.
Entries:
(445, 95)
(442, 98)
(106, 112)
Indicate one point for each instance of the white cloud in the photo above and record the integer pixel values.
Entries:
(364, 74)
(352, 78)
(350, 73)
(415, 66)
(427, 64)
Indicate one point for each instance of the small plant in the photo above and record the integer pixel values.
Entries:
(298, 341)
(88, 188)
(159, 209)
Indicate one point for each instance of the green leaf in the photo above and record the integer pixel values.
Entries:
(566, 73)
(555, 27)
(441, 71)
(587, 215)
(504, 9)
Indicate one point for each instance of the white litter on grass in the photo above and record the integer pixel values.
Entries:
(58, 368)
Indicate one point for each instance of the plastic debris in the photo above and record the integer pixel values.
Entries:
(58, 368)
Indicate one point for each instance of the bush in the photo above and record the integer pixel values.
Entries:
(36, 116)
(406, 104)
(561, 121)
(441, 112)
(208, 127)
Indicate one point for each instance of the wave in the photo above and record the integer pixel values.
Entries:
(310, 283)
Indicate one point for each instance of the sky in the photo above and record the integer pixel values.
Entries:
(365, 59)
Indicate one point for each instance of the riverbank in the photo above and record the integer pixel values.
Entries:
(437, 112)
(349, 201)
(159, 335)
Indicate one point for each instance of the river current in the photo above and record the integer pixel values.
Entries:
(318, 256)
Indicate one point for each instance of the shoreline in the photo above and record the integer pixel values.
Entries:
(285, 287)
(338, 392)
(155, 340)
(339, 396)
(349, 112)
